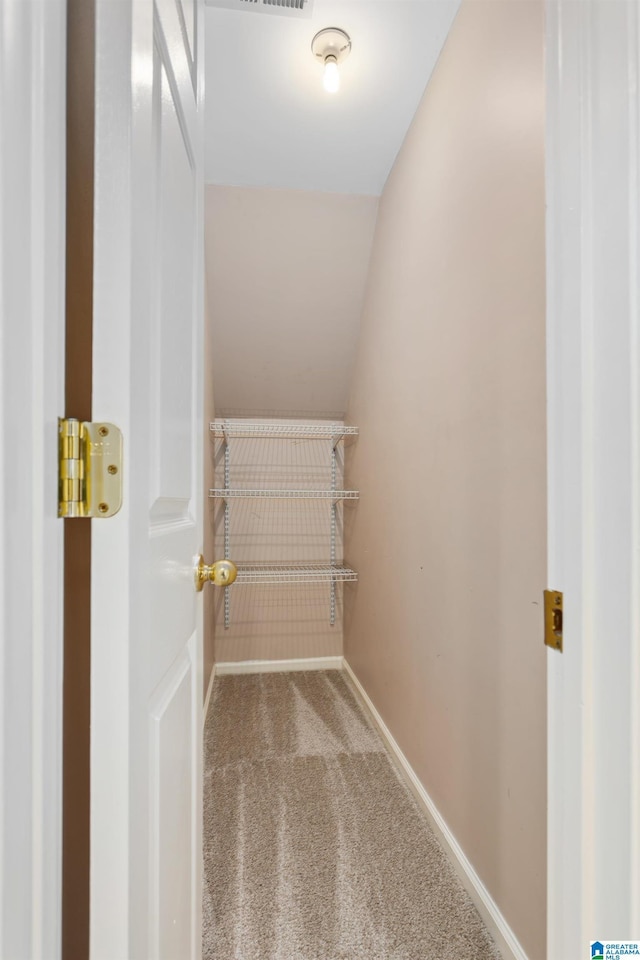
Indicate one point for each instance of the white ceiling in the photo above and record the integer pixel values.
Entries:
(269, 122)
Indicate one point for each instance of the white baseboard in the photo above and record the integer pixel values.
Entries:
(207, 699)
(505, 939)
(278, 666)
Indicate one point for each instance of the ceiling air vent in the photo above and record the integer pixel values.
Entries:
(282, 8)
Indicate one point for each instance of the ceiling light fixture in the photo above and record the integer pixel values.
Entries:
(331, 46)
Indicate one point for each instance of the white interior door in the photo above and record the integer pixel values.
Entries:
(146, 675)
(32, 242)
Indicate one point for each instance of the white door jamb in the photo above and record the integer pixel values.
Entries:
(593, 350)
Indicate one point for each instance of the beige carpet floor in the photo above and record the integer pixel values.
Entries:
(313, 847)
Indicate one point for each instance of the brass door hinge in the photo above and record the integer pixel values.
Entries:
(89, 469)
(553, 612)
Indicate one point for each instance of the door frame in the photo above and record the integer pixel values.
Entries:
(584, 815)
(593, 403)
(32, 280)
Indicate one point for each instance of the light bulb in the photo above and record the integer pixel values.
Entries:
(331, 78)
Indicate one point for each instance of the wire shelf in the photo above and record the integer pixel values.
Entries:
(237, 429)
(303, 573)
(304, 464)
(232, 493)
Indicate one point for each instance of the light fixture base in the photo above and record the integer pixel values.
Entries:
(331, 42)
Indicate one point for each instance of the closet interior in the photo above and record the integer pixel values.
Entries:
(278, 511)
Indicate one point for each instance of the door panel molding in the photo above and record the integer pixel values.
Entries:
(168, 30)
(174, 693)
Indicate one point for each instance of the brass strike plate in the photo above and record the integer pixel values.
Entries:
(553, 614)
(90, 474)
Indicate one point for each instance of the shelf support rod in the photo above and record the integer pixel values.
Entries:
(227, 526)
(334, 512)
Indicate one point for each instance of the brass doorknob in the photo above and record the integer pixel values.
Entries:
(221, 573)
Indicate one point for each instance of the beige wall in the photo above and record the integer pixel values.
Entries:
(286, 272)
(278, 621)
(445, 627)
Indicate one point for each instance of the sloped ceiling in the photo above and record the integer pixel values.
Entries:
(293, 178)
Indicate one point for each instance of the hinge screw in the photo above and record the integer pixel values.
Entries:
(103, 431)
(103, 507)
(112, 469)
